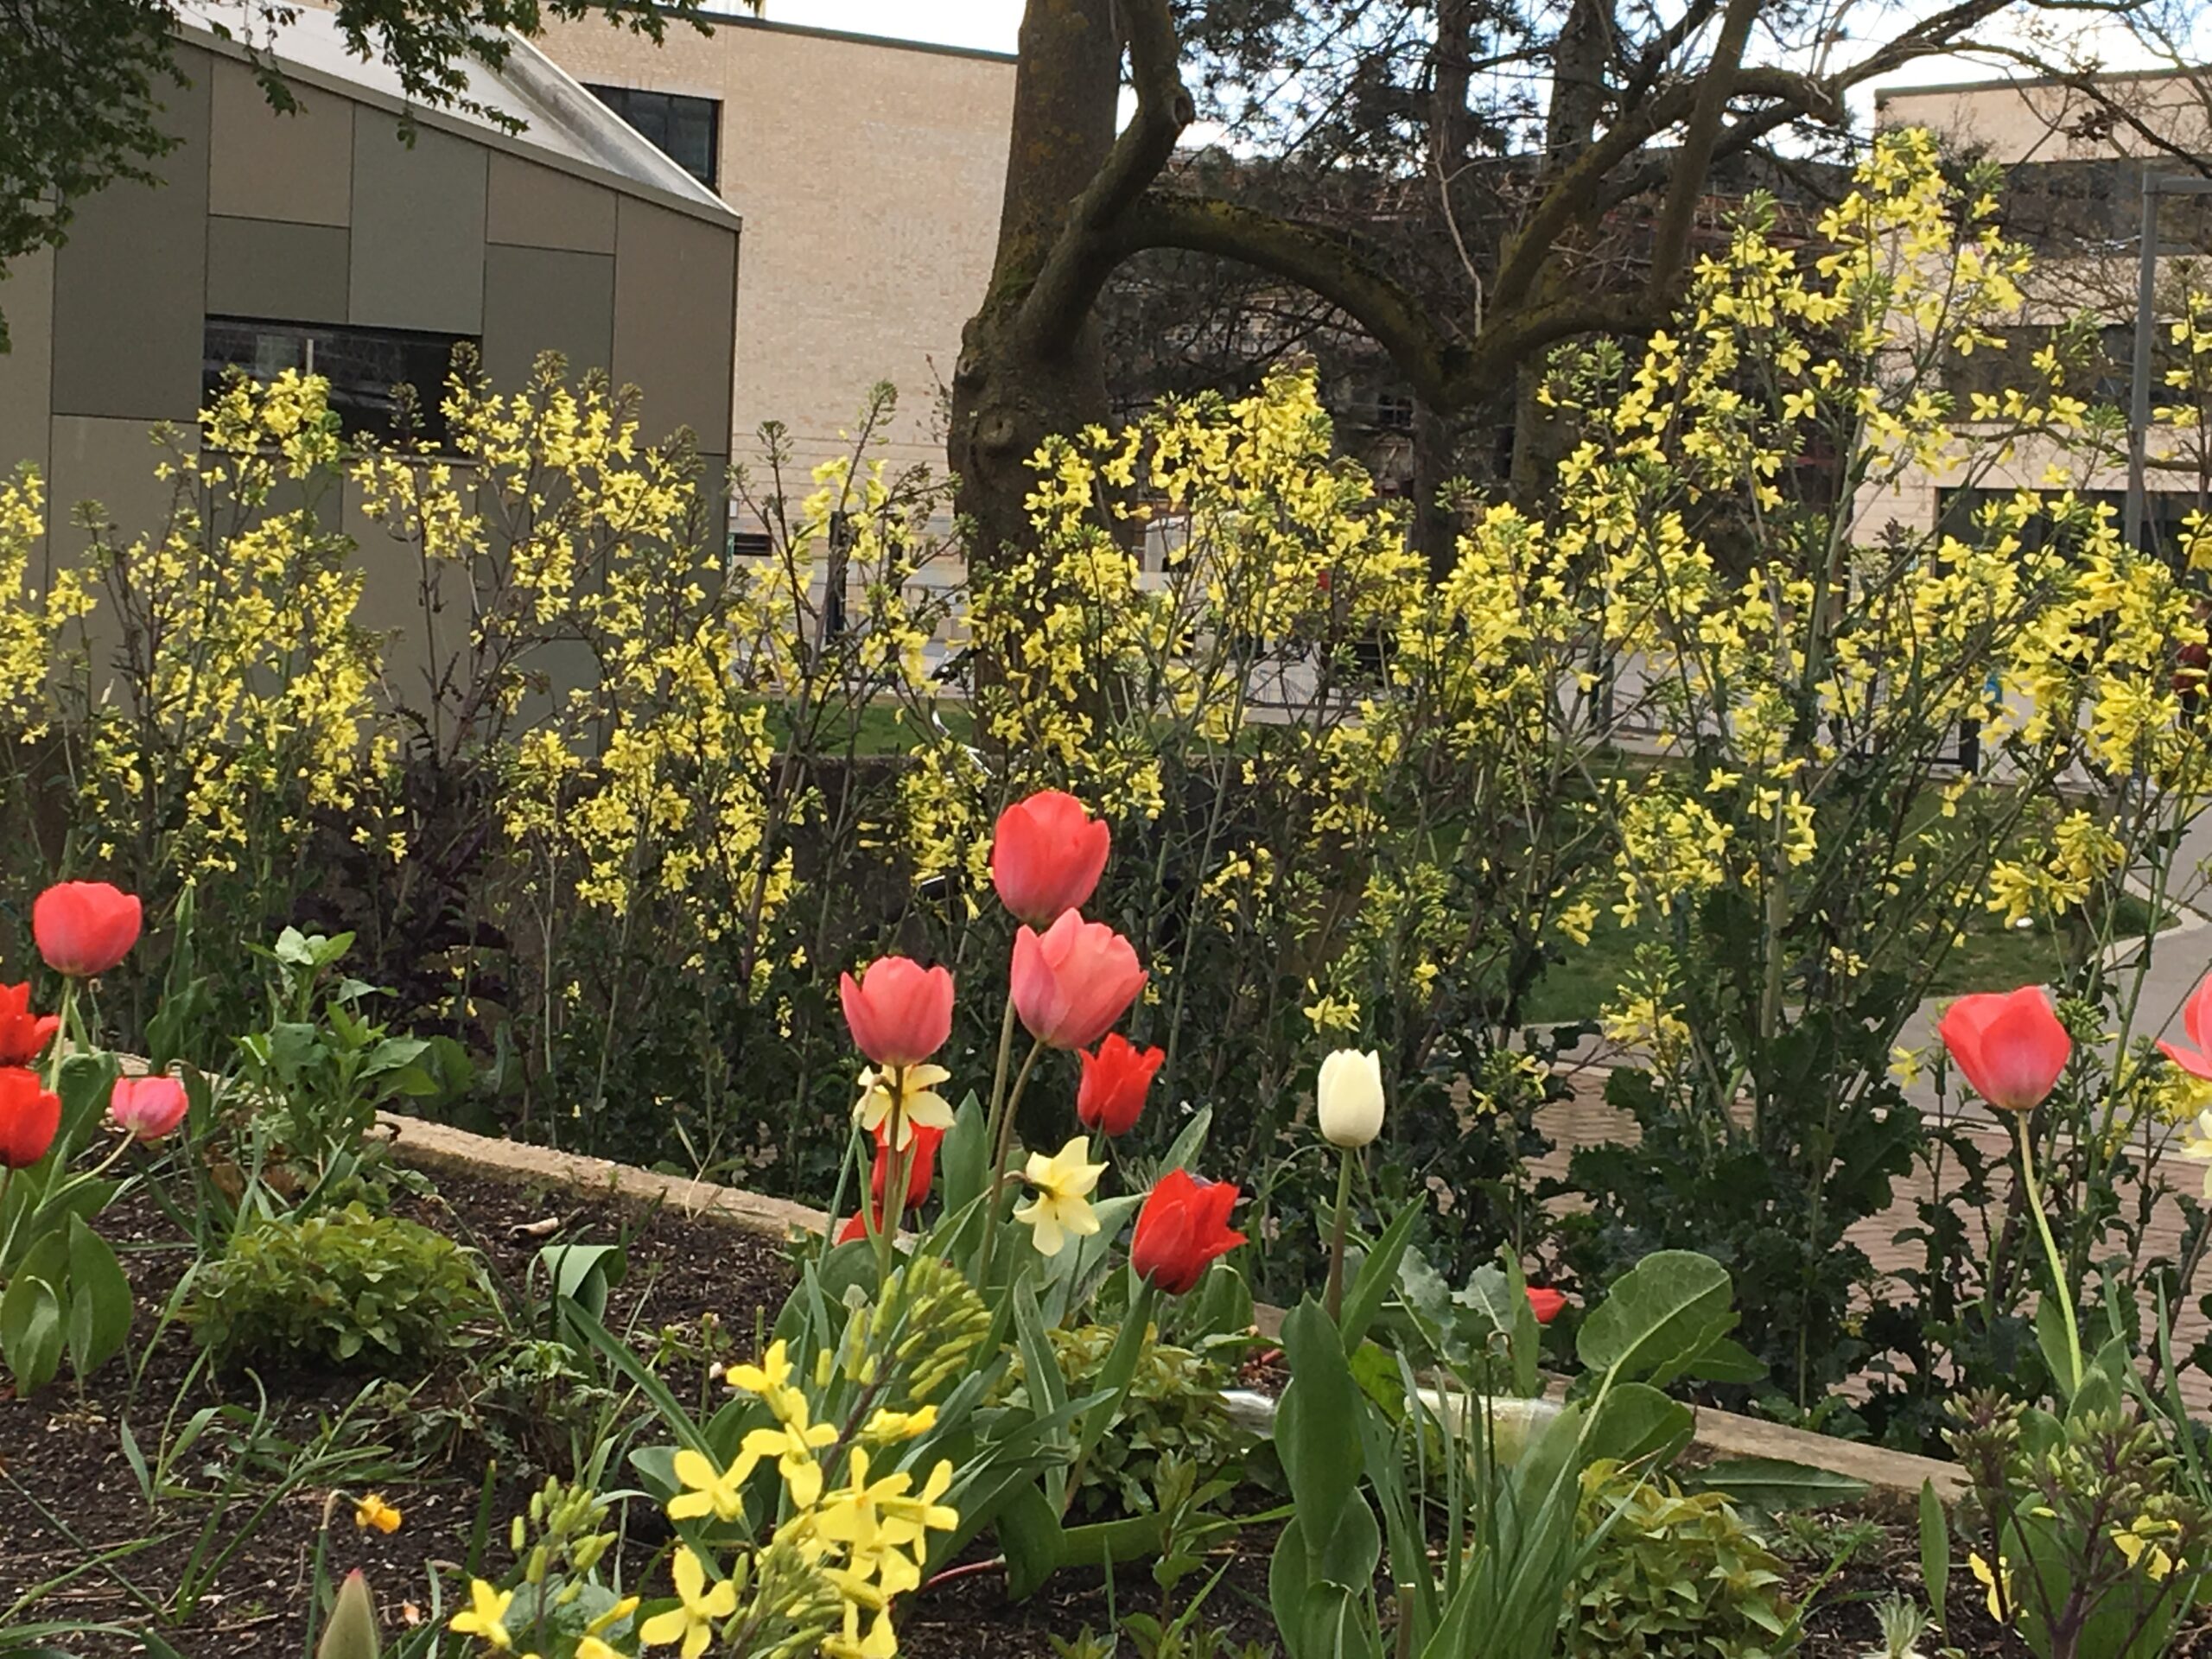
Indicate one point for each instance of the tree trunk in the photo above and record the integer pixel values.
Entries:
(1018, 382)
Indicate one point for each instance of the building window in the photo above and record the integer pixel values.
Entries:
(688, 130)
(365, 368)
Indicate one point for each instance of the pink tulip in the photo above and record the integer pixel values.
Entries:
(1074, 980)
(1047, 856)
(900, 1012)
(149, 1107)
(2011, 1048)
(2197, 1021)
(85, 928)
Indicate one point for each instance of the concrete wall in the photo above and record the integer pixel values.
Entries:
(868, 175)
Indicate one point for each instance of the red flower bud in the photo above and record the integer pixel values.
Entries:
(23, 1035)
(85, 928)
(29, 1117)
(1047, 856)
(2011, 1047)
(149, 1107)
(900, 1012)
(921, 1164)
(1070, 983)
(1547, 1304)
(1183, 1226)
(1115, 1083)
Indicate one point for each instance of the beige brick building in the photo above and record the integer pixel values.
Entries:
(2072, 190)
(868, 174)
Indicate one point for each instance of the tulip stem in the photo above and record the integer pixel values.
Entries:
(2058, 1288)
(887, 1214)
(999, 1148)
(1336, 1294)
(998, 1085)
(62, 1034)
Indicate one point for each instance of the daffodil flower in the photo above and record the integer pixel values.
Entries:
(1061, 1209)
(917, 1103)
(793, 1446)
(372, 1511)
(692, 1621)
(485, 1617)
(709, 1491)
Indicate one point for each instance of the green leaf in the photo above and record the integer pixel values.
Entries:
(30, 1331)
(583, 1273)
(2050, 1337)
(964, 1157)
(1318, 1439)
(1659, 1318)
(99, 1300)
(1190, 1143)
(1636, 1422)
(1774, 1485)
(1378, 1275)
(352, 1632)
(1935, 1553)
(1032, 1537)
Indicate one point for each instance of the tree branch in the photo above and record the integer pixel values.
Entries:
(1693, 163)
(1084, 253)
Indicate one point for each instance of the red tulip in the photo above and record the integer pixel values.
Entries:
(921, 1166)
(2197, 1021)
(2011, 1048)
(23, 1035)
(921, 1174)
(1114, 1082)
(1047, 856)
(29, 1117)
(85, 928)
(1074, 980)
(900, 1012)
(1184, 1225)
(149, 1107)
(1545, 1303)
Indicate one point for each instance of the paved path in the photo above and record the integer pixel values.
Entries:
(1587, 1120)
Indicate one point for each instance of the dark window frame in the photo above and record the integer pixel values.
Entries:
(363, 404)
(627, 103)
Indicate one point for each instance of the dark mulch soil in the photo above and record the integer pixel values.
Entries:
(67, 1492)
(696, 1292)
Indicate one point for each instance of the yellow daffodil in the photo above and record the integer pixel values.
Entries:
(793, 1446)
(1061, 1209)
(709, 1491)
(2001, 1588)
(918, 1101)
(485, 1617)
(888, 1427)
(692, 1621)
(372, 1511)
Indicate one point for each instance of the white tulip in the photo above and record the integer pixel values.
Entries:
(1349, 1095)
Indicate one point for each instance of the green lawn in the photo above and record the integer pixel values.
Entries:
(1993, 958)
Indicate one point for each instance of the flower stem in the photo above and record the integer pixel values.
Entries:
(1336, 1294)
(887, 1214)
(62, 1034)
(998, 1081)
(996, 1182)
(2058, 1287)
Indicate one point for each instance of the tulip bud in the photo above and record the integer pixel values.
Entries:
(1349, 1097)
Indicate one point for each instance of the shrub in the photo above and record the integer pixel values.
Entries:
(1173, 1410)
(1678, 1575)
(344, 1287)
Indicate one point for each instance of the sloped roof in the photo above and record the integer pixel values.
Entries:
(564, 126)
